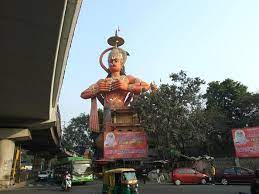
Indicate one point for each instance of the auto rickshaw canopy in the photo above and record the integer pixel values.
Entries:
(109, 175)
(120, 170)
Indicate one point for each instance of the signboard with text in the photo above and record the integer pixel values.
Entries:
(125, 144)
(246, 142)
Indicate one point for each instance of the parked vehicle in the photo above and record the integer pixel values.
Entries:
(235, 175)
(43, 175)
(255, 183)
(188, 175)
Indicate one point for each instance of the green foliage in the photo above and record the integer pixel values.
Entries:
(237, 108)
(249, 109)
(175, 153)
(26, 157)
(166, 114)
(179, 120)
(77, 133)
(227, 98)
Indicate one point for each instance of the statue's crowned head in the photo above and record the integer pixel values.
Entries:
(117, 57)
(117, 54)
(116, 60)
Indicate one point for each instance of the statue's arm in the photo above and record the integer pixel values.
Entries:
(90, 92)
(101, 87)
(136, 85)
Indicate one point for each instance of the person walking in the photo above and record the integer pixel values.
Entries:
(158, 176)
(144, 175)
(213, 173)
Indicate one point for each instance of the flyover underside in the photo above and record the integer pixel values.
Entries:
(19, 122)
(35, 37)
(41, 142)
(35, 40)
(29, 36)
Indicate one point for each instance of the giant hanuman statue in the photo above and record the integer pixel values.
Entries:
(115, 93)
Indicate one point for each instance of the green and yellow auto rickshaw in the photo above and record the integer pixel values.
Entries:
(120, 181)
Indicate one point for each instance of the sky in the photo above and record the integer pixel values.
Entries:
(213, 40)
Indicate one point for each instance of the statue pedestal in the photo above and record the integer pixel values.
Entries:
(124, 120)
(125, 138)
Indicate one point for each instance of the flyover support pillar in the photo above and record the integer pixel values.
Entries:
(6, 160)
(8, 137)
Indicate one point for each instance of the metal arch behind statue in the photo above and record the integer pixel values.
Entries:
(101, 59)
(115, 42)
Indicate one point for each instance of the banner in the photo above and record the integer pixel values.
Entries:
(246, 142)
(123, 145)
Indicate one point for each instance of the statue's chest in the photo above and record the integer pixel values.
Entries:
(116, 98)
(121, 78)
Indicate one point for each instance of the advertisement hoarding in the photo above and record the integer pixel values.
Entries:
(123, 145)
(246, 142)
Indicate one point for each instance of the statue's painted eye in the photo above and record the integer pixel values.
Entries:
(115, 60)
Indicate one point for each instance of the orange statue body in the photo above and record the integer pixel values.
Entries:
(117, 89)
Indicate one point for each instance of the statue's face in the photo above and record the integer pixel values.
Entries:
(115, 65)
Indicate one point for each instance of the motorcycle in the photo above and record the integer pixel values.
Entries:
(67, 183)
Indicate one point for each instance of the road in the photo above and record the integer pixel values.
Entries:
(95, 188)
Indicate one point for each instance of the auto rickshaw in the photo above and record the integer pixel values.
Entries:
(120, 181)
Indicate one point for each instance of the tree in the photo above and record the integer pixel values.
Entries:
(210, 124)
(237, 109)
(166, 114)
(26, 157)
(77, 134)
(178, 118)
(226, 97)
(249, 108)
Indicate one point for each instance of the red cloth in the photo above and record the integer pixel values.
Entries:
(94, 121)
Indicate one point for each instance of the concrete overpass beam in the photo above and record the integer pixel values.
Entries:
(15, 134)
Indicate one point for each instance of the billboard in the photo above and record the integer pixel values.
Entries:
(246, 142)
(125, 144)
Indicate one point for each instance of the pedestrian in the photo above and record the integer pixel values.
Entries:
(213, 173)
(158, 175)
(144, 175)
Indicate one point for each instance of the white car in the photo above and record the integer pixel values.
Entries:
(43, 175)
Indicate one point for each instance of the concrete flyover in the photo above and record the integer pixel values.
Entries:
(35, 40)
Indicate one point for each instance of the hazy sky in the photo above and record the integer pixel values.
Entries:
(211, 39)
